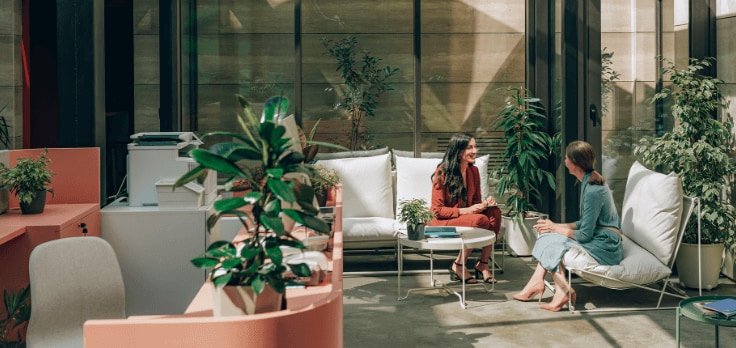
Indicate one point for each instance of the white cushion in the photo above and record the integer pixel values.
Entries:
(638, 266)
(413, 179)
(367, 189)
(651, 211)
(366, 229)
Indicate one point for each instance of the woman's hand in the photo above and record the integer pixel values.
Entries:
(490, 201)
(544, 226)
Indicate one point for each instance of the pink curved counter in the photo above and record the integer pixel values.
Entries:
(313, 319)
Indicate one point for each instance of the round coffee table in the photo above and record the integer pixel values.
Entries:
(472, 238)
(691, 308)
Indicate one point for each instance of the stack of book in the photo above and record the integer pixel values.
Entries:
(725, 308)
(437, 233)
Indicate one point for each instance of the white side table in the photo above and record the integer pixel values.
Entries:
(472, 238)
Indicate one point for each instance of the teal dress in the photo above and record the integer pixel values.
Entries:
(597, 211)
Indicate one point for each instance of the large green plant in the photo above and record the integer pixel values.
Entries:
(17, 313)
(28, 177)
(698, 148)
(260, 148)
(528, 148)
(365, 81)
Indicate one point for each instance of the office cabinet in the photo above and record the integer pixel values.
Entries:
(154, 247)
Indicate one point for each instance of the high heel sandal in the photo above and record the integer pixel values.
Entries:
(568, 294)
(537, 289)
(479, 273)
(454, 276)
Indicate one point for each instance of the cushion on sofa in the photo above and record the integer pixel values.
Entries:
(350, 154)
(638, 267)
(401, 153)
(413, 179)
(367, 186)
(368, 229)
(650, 214)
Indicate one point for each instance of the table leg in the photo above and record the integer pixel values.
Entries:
(716, 336)
(462, 299)
(431, 268)
(677, 327)
(400, 261)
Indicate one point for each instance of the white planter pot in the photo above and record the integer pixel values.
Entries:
(521, 237)
(687, 265)
(240, 300)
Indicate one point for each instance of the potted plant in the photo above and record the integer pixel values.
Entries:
(15, 318)
(415, 214)
(255, 267)
(522, 173)
(364, 83)
(29, 179)
(323, 179)
(698, 149)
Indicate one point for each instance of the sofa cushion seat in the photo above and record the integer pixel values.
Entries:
(368, 229)
(639, 266)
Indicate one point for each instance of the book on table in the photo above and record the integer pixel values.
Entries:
(727, 306)
(441, 232)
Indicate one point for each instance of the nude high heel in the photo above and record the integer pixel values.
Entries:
(534, 290)
(558, 302)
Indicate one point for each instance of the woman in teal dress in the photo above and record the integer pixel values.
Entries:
(597, 231)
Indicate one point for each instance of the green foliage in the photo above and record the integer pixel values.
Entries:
(260, 148)
(17, 313)
(365, 81)
(528, 148)
(414, 211)
(698, 148)
(608, 77)
(324, 178)
(28, 177)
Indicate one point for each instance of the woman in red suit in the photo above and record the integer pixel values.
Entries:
(456, 201)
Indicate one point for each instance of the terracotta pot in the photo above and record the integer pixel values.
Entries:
(241, 300)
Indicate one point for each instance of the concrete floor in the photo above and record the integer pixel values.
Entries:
(373, 317)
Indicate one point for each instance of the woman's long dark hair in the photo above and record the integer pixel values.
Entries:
(582, 155)
(450, 166)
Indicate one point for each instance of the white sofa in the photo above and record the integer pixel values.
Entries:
(372, 190)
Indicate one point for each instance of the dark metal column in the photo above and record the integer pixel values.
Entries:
(417, 76)
(81, 76)
(702, 30)
(170, 65)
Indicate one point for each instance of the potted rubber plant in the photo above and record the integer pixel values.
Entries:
(30, 180)
(415, 214)
(698, 149)
(364, 81)
(254, 269)
(521, 175)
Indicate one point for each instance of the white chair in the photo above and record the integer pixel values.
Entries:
(72, 280)
(653, 218)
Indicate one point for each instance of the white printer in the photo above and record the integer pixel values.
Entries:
(155, 161)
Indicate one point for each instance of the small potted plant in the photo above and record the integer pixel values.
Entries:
(415, 214)
(253, 270)
(29, 179)
(15, 318)
(323, 180)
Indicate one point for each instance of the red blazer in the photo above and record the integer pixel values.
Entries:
(442, 207)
